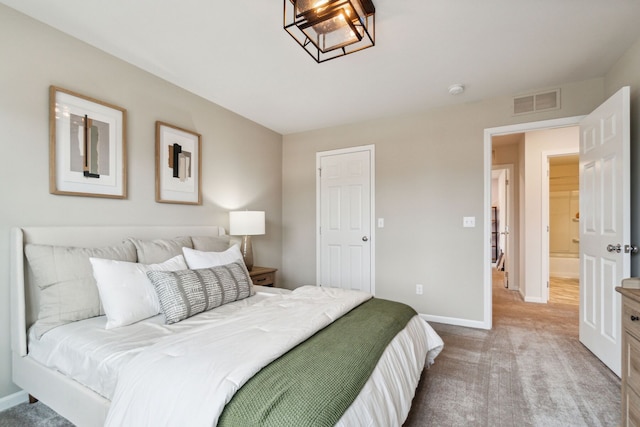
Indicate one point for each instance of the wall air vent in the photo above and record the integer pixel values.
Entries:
(536, 102)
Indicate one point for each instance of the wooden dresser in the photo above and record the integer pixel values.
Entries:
(630, 356)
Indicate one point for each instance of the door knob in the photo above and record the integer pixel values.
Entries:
(630, 249)
(365, 238)
(614, 248)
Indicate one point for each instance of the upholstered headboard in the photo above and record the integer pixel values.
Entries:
(24, 296)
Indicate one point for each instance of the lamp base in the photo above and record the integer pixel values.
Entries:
(247, 252)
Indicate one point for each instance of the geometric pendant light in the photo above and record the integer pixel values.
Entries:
(328, 29)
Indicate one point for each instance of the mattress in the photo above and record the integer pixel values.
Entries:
(93, 356)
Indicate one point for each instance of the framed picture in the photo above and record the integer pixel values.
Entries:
(87, 146)
(178, 163)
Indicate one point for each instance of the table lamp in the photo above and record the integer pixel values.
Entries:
(246, 224)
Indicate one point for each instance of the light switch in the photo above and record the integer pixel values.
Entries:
(469, 221)
(380, 222)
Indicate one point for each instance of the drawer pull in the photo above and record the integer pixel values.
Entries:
(634, 318)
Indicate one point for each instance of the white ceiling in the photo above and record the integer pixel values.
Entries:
(236, 53)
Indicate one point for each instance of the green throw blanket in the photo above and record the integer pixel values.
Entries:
(314, 383)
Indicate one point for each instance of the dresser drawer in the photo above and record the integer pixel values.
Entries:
(631, 358)
(632, 405)
(631, 317)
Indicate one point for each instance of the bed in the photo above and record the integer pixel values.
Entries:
(93, 373)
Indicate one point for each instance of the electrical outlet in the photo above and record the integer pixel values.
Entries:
(418, 289)
(469, 221)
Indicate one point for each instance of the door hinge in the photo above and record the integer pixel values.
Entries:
(547, 284)
(320, 172)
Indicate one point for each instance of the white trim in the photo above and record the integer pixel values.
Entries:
(14, 399)
(372, 189)
(489, 133)
(453, 321)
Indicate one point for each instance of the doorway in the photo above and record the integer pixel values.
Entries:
(564, 229)
(536, 292)
(503, 224)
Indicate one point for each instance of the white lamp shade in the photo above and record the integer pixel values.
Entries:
(246, 223)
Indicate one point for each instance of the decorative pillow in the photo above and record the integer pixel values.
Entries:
(127, 294)
(186, 293)
(211, 243)
(68, 291)
(159, 250)
(199, 259)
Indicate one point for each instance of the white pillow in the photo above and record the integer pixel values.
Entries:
(198, 259)
(127, 294)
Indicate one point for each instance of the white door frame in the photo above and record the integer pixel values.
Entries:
(372, 237)
(489, 133)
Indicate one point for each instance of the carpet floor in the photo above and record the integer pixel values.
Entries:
(529, 370)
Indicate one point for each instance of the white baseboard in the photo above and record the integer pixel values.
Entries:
(534, 299)
(455, 321)
(13, 400)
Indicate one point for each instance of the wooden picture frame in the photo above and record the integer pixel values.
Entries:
(86, 160)
(178, 165)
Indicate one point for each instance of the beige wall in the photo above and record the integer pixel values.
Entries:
(241, 160)
(429, 174)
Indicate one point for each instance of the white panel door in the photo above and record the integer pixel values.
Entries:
(345, 220)
(604, 225)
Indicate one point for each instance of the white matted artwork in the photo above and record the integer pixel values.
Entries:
(87, 146)
(178, 164)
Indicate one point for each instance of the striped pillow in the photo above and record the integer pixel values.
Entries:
(185, 293)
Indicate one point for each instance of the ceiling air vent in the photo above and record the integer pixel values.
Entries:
(533, 103)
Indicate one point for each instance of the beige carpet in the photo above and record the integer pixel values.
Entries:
(529, 370)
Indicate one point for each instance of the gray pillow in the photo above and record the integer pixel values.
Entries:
(186, 293)
(211, 243)
(159, 250)
(64, 276)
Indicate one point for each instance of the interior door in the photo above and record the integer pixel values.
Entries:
(345, 230)
(604, 225)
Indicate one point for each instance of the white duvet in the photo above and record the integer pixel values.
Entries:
(94, 356)
(187, 379)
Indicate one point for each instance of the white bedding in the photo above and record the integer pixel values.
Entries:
(205, 366)
(94, 356)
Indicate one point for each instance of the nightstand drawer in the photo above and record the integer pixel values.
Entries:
(263, 276)
(265, 279)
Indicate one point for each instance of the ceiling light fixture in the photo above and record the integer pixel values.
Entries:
(329, 29)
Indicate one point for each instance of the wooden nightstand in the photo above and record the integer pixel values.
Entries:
(263, 276)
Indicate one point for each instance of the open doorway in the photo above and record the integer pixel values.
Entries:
(564, 230)
(529, 262)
